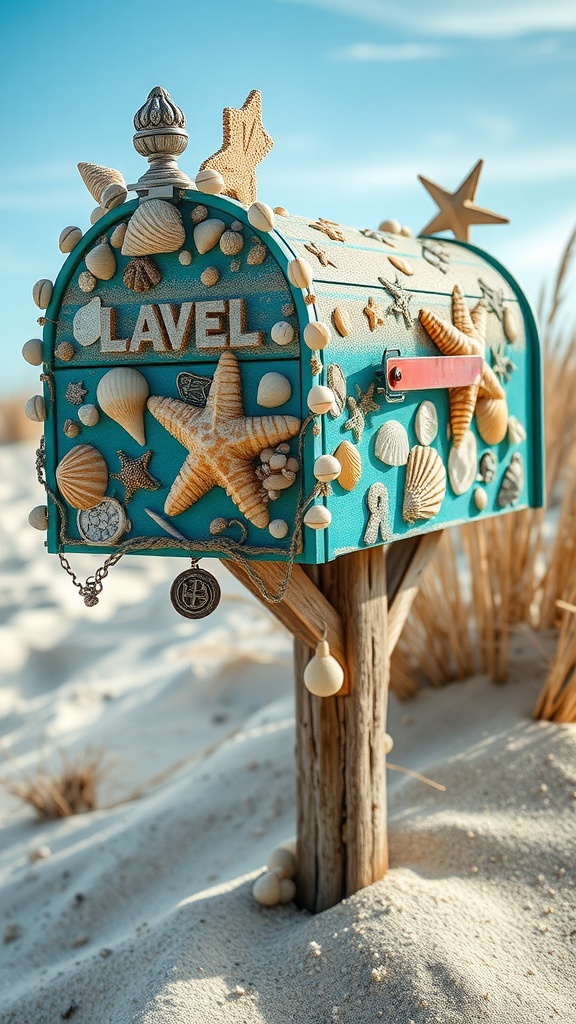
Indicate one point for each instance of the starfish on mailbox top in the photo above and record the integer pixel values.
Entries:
(245, 145)
(222, 444)
(457, 210)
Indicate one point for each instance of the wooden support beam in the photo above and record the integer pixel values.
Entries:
(406, 561)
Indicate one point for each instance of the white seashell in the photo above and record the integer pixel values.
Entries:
(318, 517)
(462, 463)
(273, 390)
(337, 381)
(278, 528)
(281, 211)
(261, 217)
(487, 467)
(391, 445)
(317, 335)
(86, 281)
(257, 255)
(207, 234)
(35, 409)
(199, 213)
(323, 675)
(156, 226)
(277, 461)
(113, 195)
(279, 481)
(426, 425)
(273, 495)
(69, 238)
(118, 235)
(327, 468)
(210, 277)
(266, 889)
(492, 419)
(406, 231)
(512, 482)
(32, 351)
(231, 243)
(342, 321)
(351, 462)
(393, 226)
(292, 465)
(97, 178)
(70, 428)
(425, 485)
(282, 861)
(266, 454)
(402, 265)
(516, 432)
(185, 258)
(388, 743)
(480, 499)
(101, 262)
(282, 333)
(82, 476)
(38, 517)
(209, 181)
(86, 323)
(320, 399)
(122, 394)
(300, 273)
(511, 329)
(284, 448)
(64, 351)
(88, 415)
(287, 890)
(96, 214)
(42, 293)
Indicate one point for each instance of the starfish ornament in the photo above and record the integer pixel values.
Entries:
(134, 475)
(401, 304)
(374, 314)
(320, 254)
(457, 210)
(222, 444)
(328, 227)
(76, 392)
(360, 409)
(493, 298)
(245, 145)
(465, 336)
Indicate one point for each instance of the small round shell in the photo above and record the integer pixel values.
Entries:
(323, 675)
(283, 861)
(300, 273)
(480, 499)
(32, 351)
(42, 293)
(492, 419)
(88, 415)
(185, 258)
(274, 389)
(342, 321)
(279, 481)
(388, 743)
(38, 518)
(257, 255)
(35, 409)
(208, 233)
(320, 399)
(278, 528)
(318, 517)
(266, 889)
(277, 461)
(282, 333)
(391, 445)
(510, 324)
(231, 243)
(351, 462)
(236, 225)
(101, 262)
(118, 235)
(287, 890)
(71, 428)
(199, 213)
(86, 281)
(69, 238)
(113, 195)
(261, 217)
(64, 351)
(426, 425)
(394, 227)
(209, 181)
(327, 468)
(210, 277)
(317, 335)
(281, 211)
(462, 463)
(96, 214)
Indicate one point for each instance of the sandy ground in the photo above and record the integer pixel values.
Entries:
(142, 913)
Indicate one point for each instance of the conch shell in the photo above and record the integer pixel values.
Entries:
(82, 476)
(122, 394)
(425, 484)
(156, 226)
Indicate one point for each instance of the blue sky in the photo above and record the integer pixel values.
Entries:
(359, 95)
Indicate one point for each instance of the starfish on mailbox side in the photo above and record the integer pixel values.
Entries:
(222, 443)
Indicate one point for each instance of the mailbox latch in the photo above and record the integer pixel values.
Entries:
(399, 374)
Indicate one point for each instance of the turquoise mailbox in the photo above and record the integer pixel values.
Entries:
(222, 379)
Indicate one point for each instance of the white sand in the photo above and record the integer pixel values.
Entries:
(143, 914)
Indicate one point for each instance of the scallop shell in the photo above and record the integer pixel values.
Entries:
(118, 235)
(88, 415)
(64, 351)
(487, 467)
(480, 499)
(231, 243)
(122, 394)
(391, 445)
(261, 217)
(86, 323)
(462, 463)
(209, 181)
(69, 238)
(257, 255)
(342, 321)
(282, 333)
(425, 484)
(199, 213)
(156, 226)
(32, 351)
(300, 273)
(511, 329)
(38, 517)
(70, 428)
(327, 468)
(273, 390)
(320, 399)
(210, 277)
(35, 409)
(42, 293)
(207, 234)
(317, 335)
(101, 262)
(86, 281)
(82, 476)
(512, 482)
(426, 424)
(492, 419)
(278, 528)
(516, 432)
(337, 381)
(141, 274)
(402, 265)
(96, 178)
(113, 195)
(318, 517)
(349, 458)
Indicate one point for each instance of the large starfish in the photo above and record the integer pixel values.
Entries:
(465, 336)
(245, 145)
(222, 443)
(457, 210)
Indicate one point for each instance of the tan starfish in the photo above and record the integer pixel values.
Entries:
(374, 314)
(222, 443)
(245, 145)
(134, 475)
(465, 336)
(320, 254)
(360, 408)
(328, 227)
(457, 210)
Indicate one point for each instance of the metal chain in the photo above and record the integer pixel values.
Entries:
(93, 585)
(41, 461)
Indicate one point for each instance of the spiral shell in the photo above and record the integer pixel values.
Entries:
(425, 484)
(141, 274)
(97, 178)
(492, 419)
(207, 234)
(462, 463)
(426, 425)
(82, 476)
(156, 226)
(101, 262)
(257, 255)
(487, 467)
(231, 243)
(337, 381)
(69, 238)
(512, 482)
(122, 394)
(351, 462)
(70, 428)
(342, 321)
(391, 445)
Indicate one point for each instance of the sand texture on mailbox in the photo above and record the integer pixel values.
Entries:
(141, 912)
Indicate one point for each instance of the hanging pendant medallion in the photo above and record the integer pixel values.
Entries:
(195, 593)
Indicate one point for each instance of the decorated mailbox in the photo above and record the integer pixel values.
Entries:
(222, 379)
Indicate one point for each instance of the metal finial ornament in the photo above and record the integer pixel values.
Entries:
(161, 137)
(195, 593)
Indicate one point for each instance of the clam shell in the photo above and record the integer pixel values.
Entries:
(342, 321)
(327, 468)
(86, 281)
(462, 463)
(207, 234)
(86, 323)
(118, 235)
(492, 419)
(64, 351)
(278, 528)
(42, 293)
(199, 213)
(349, 458)
(337, 381)
(96, 214)
(393, 226)
(231, 243)
(38, 517)
(209, 181)
(480, 499)
(511, 329)
(516, 432)
(512, 482)
(300, 273)
(35, 409)
(317, 335)
(261, 217)
(101, 262)
(141, 274)
(113, 195)
(156, 226)
(210, 277)
(82, 476)
(32, 351)
(88, 415)
(257, 255)
(391, 445)
(487, 467)
(122, 394)
(425, 485)
(402, 265)
(426, 424)
(70, 428)
(320, 399)
(69, 238)
(318, 517)
(282, 333)
(273, 390)
(97, 178)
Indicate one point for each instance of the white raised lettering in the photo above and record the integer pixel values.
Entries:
(108, 341)
(239, 338)
(210, 324)
(177, 323)
(149, 330)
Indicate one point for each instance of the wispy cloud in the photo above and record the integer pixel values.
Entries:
(372, 52)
